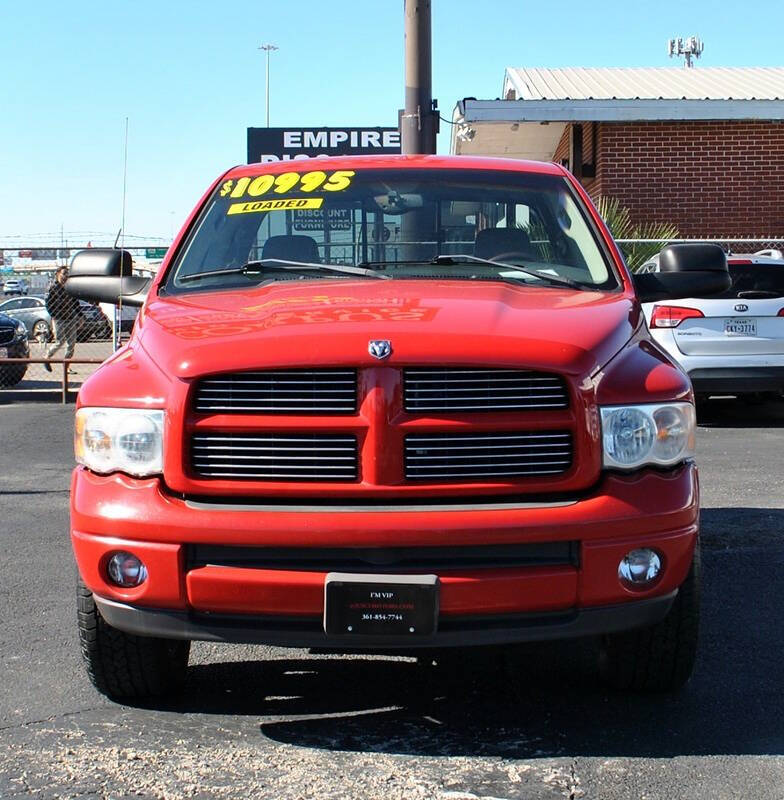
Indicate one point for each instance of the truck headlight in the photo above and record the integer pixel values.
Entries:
(653, 433)
(120, 440)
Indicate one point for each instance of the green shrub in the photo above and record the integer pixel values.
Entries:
(618, 220)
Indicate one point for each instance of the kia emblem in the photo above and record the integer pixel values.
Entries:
(379, 348)
(741, 307)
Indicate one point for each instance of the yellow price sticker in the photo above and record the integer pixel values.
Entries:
(286, 182)
(294, 203)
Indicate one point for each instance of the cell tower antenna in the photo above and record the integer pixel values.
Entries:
(686, 49)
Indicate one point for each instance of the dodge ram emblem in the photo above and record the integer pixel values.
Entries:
(741, 307)
(379, 348)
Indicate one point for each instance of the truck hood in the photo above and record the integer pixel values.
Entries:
(329, 323)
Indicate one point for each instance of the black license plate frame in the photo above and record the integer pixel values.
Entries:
(380, 606)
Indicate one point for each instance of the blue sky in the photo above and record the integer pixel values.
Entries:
(190, 78)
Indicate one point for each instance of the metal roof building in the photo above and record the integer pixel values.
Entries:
(634, 132)
(649, 83)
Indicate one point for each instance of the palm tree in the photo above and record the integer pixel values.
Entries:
(618, 220)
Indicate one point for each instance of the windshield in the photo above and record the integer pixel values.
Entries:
(748, 280)
(394, 223)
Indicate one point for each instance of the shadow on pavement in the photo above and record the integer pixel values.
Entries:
(537, 700)
(742, 527)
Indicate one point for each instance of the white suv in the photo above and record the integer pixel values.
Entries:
(15, 286)
(731, 343)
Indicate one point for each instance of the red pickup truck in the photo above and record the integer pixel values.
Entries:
(392, 403)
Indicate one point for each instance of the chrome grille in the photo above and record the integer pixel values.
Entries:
(438, 456)
(451, 390)
(295, 391)
(7, 335)
(267, 456)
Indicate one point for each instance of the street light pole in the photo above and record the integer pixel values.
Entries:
(267, 48)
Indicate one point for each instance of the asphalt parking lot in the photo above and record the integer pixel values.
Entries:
(268, 722)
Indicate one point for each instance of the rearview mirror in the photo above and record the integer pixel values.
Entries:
(104, 275)
(685, 270)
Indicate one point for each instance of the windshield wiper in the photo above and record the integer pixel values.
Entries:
(252, 267)
(456, 258)
(534, 273)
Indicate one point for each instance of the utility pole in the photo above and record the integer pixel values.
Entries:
(419, 119)
(268, 48)
(117, 326)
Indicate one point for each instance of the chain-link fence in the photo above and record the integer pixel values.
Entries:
(51, 342)
(41, 326)
(638, 251)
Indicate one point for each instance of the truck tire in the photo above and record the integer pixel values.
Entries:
(122, 665)
(659, 658)
(11, 375)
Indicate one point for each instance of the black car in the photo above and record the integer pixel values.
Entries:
(94, 323)
(13, 344)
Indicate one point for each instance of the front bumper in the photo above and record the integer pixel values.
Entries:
(730, 373)
(453, 632)
(737, 380)
(17, 348)
(479, 602)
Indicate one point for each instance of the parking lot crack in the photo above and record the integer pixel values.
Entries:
(574, 782)
(53, 718)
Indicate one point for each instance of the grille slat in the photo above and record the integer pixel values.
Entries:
(235, 390)
(477, 398)
(234, 449)
(516, 473)
(435, 457)
(289, 467)
(211, 461)
(473, 456)
(549, 387)
(484, 407)
(313, 457)
(498, 465)
(516, 380)
(279, 392)
(483, 437)
(274, 440)
(271, 409)
(451, 390)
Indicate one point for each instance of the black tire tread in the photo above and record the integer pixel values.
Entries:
(659, 658)
(11, 375)
(122, 665)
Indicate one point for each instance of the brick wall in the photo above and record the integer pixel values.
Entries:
(710, 178)
(563, 153)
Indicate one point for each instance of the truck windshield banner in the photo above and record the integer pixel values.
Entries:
(286, 144)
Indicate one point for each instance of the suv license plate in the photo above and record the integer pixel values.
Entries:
(740, 327)
(380, 605)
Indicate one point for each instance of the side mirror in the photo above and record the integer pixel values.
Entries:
(104, 275)
(685, 270)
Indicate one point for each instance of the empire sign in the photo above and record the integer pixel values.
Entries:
(287, 144)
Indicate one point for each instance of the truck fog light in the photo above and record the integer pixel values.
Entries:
(126, 570)
(639, 567)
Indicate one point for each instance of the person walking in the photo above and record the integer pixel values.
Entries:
(66, 315)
